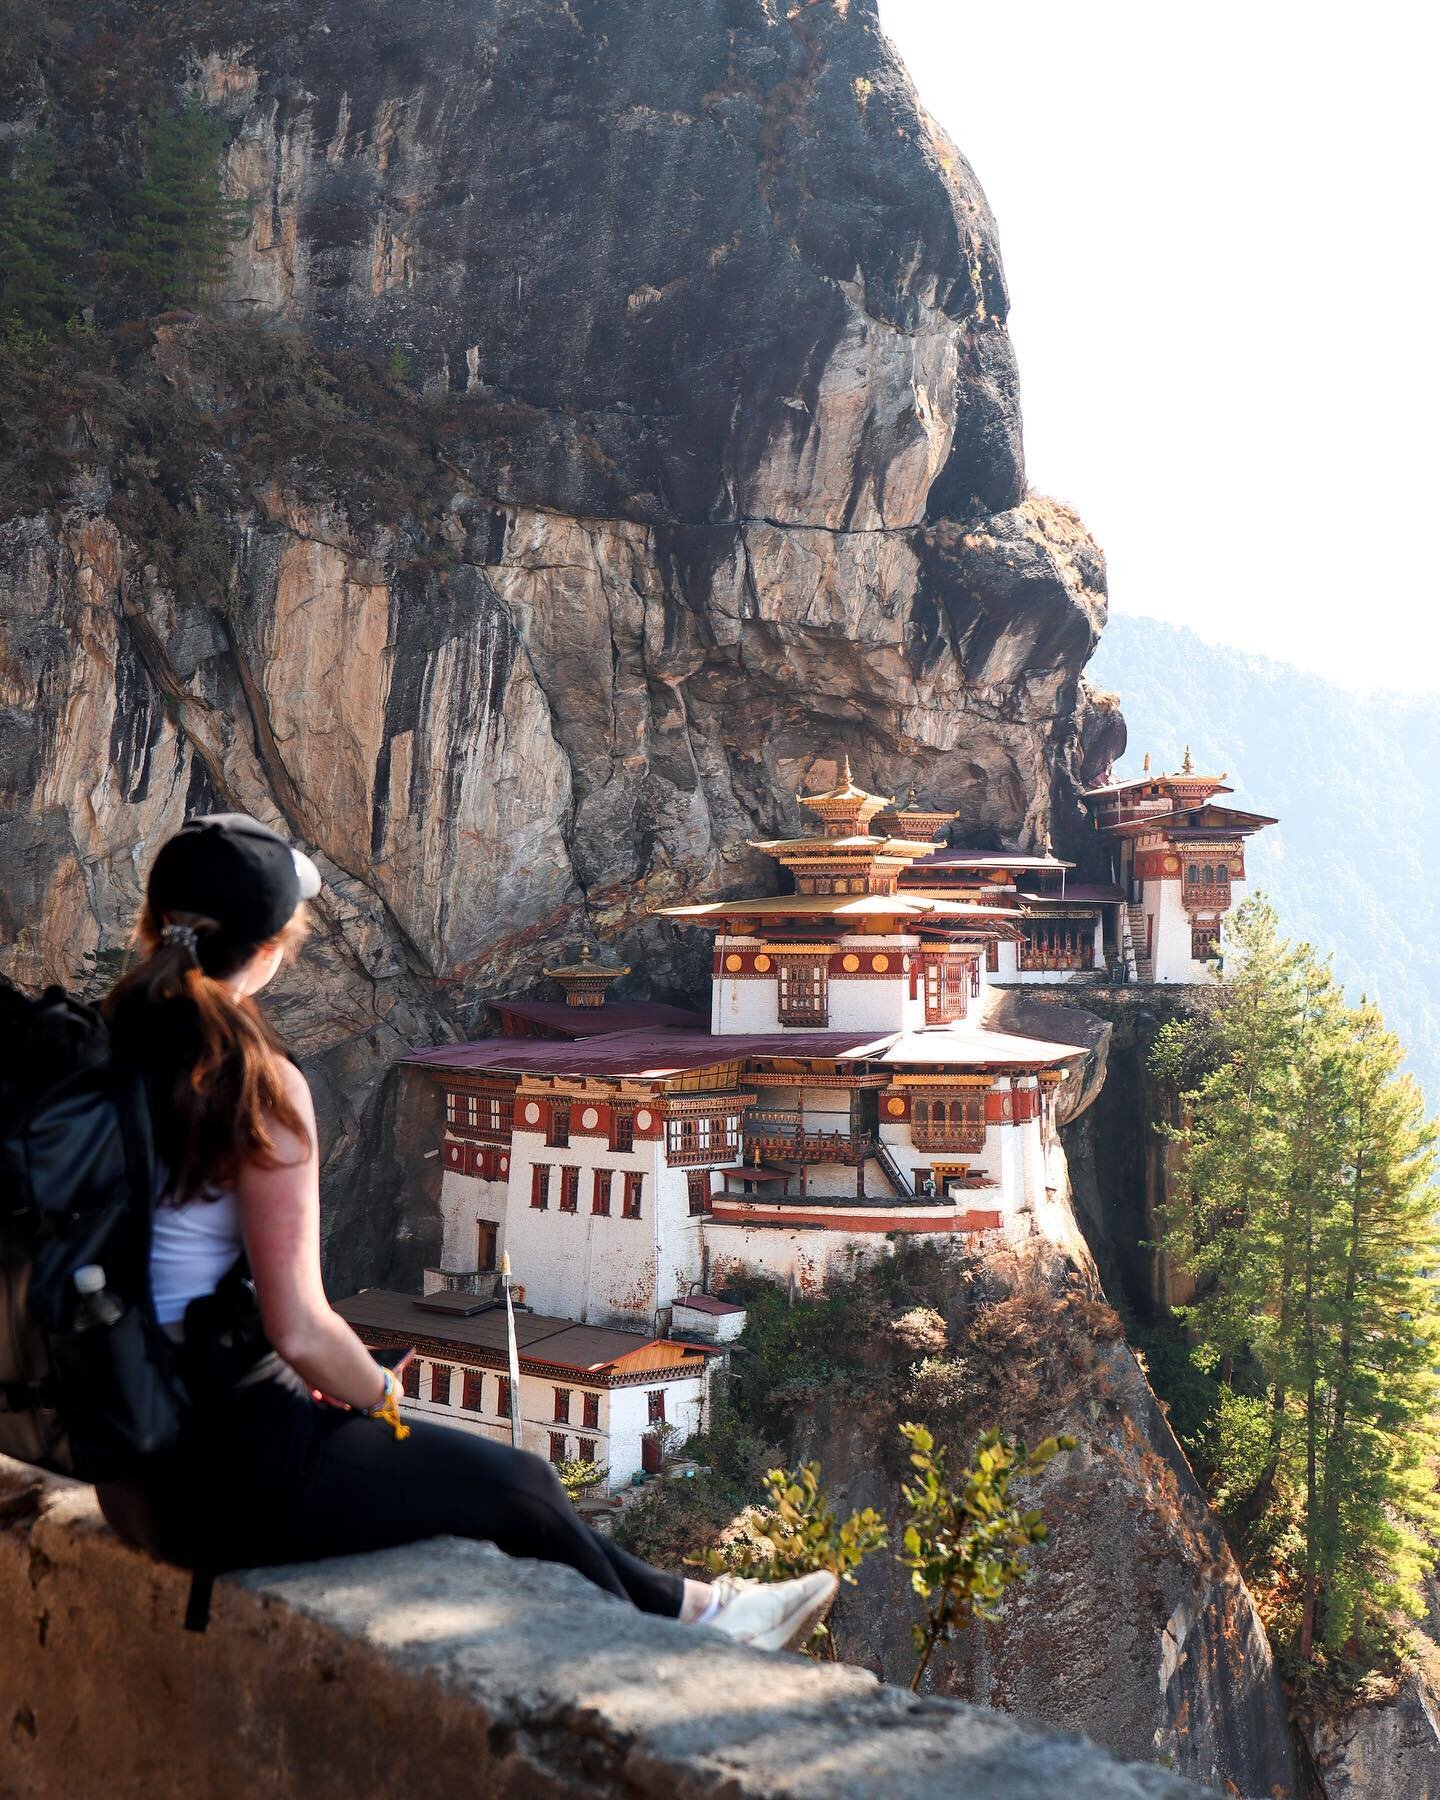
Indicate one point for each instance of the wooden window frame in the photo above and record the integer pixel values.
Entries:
(697, 1187)
(472, 1390)
(601, 1193)
(440, 1377)
(410, 1379)
(502, 1396)
(557, 1448)
(622, 1128)
(561, 1414)
(707, 1138)
(590, 1409)
(557, 1125)
(634, 1194)
(569, 1188)
(540, 1187)
(585, 1449)
(655, 1406)
(802, 990)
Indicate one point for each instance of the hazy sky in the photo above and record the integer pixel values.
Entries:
(1218, 226)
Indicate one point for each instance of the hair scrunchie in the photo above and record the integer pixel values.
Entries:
(184, 936)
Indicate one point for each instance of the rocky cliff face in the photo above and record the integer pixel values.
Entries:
(609, 420)
(700, 463)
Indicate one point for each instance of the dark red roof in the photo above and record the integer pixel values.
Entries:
(1094, 892)
(707, 1303)
(642, 1053)
(556, 1019)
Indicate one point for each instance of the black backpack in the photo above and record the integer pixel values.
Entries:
(77, 1187)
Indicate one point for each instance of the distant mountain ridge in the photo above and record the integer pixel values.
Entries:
(1354, 864)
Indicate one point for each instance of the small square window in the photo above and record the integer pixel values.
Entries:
(585, 1448)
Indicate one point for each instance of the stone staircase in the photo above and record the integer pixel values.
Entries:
(1144, 965)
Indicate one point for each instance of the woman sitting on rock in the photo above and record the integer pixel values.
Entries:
(295, 1449)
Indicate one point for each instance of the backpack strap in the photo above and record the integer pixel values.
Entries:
(197, 1607)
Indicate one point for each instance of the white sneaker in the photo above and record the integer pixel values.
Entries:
(777, 1615)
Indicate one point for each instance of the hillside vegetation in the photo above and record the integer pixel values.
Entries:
(1352, 866)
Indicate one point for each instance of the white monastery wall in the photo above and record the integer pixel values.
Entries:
(1173, 961)
(630, 1420)
(577, 1265)
(680, 1239)
(465, 1200)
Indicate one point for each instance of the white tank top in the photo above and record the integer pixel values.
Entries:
(192, 1249)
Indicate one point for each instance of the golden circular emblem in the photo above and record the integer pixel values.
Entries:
(762, 963)
(733, 962)
(851, 962)
(1172, 865)
(895, 1106)
(880, 963)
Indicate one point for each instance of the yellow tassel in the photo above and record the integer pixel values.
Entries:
(388, 1411)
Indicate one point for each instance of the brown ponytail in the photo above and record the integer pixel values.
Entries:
(217, 1083)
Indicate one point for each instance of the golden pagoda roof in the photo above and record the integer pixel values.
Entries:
(827, 846)
(845, 803)
(837, 906)
(587, 969)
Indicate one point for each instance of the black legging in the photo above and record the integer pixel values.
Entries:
(270, 1476)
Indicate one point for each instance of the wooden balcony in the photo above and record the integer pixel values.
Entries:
(789, 1137)
(947, 1137)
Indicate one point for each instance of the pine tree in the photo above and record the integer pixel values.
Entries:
(179, 224)
(1311, 1234)
(39, 245)
(1383, 1348)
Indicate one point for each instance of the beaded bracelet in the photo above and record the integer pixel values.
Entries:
(387, 1408)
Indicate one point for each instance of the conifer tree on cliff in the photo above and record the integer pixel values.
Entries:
(1310, 1236)
(39, 245)
(179, 223)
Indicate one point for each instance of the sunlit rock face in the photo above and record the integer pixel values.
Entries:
(732, 483)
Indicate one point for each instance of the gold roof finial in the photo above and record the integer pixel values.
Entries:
(848, 780)
(910, 795)
(1147, 762)
(1188, 766)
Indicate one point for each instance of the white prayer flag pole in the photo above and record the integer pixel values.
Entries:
(514, 1353)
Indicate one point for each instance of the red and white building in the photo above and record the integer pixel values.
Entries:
(853, 1085)
(1179, 860)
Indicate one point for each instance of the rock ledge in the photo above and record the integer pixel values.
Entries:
(446, 1668)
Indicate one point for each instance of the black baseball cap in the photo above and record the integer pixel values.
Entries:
(231, 868)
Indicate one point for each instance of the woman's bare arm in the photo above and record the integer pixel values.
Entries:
(280, 1219)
